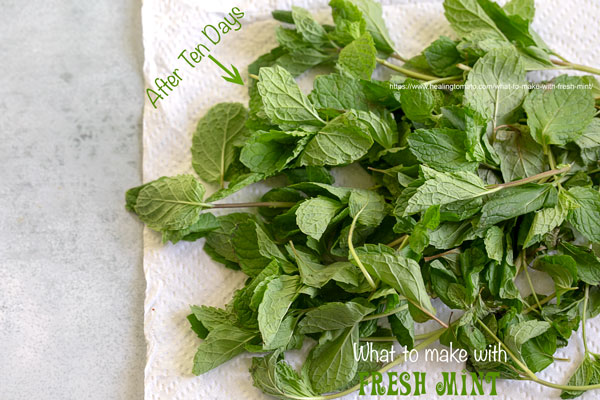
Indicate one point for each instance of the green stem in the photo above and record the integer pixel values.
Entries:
(415, 74)
(542, 302)
(385, 314)
(583, 317)
(397, 241)
(531, 376)
(433, 317)
(255, 77)
(274, 204)
(510, 353)
(577, 67)
(526, 270)
(530, 179)
(404, 242)
(378, 339)
(353, 252)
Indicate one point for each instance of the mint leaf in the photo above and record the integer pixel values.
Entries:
(381, 126)
(445, 188)
(523, 8)
(170, 203)
(586, 217)
(358, 58)
(521, 332)
(222, 344)
(341, 141)
(331, 364)
(283, 101)
(546, 220)
(311, 30)
(417, 100)
(339, 92)
(270, 152)
(373, 17)
(496, 86)
(403, 274)
(520, 156)
(371, 204)
(588, 265)
(349, 21)
(514, 201)
(333, 316)
(441, 148)
(278, 297)
(466, 16)
(442, 56)
(562, 269)
(560, 115)
(313, 215)
(215, 138)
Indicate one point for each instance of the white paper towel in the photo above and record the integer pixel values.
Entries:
(180, 275)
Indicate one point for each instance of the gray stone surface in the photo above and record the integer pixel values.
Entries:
(71, 280)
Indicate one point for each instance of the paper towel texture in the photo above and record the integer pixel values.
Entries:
(182, 274)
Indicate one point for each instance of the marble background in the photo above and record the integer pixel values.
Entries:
(71, 281)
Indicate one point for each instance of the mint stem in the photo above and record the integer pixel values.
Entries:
(530, 179)
(273, 204)
(415, 74)
(577, 67)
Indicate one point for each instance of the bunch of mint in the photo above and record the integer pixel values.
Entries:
(474, 186)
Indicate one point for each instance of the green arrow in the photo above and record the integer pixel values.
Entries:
(234, 77)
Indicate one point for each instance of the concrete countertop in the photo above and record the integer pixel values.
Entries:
(71, 280)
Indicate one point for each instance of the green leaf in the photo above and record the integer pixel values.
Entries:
(282, 99)
(270, 152)
(131, 195)
(373, 17)
(333, 316)
(586, 217)
(349, 21)
(197, 326)
(523, 8)
(311, 30)
(546, 220)
(277, 378)
(452, 234)
(466, 16)
(205, 224)
(382, 126)
(278, 297)
(496, 86)
(403, 274)
(588, 373)
(221, 239)
(590, 138)
(494, 243)
(588, 265)
(213, 144)
(442, 56)
(212, 317)
(314, 215)
(235, 185)
(445, 188)
(441, 148)
(341, 141)
(371, 204)
(358, 58)
(222, 344)
(514, 201)
(331, 364)
(521, 332)
(417, 100)
(171, 203)
(560, 115)
(309, 174)
(520, 156)
(290, 39)
(339, 92)
(254, 249)
(562, 269)
(403, 328)
(299, 60)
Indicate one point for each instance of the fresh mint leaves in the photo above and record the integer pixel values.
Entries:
(472, 188)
